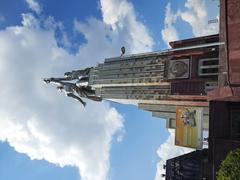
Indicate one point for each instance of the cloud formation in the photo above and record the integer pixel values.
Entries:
(167, 151)
(34, 5)
(121, 16)
(169, 32)
(196, 13)
(197, 16)
(38, 121)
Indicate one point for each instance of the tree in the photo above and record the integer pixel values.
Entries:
(230, 167)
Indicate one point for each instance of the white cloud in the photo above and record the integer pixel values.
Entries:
(169, 32)
(167, 151)
(38, 121)
(63, 40)
(121, 17)
(197, 15)
(28, 20)
(34, 5)
(118, 28)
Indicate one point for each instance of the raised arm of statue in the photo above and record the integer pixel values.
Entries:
(77, 98)
(54, 80)
(73, 90)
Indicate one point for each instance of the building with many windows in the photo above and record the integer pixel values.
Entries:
(163, 81)
(189, 166)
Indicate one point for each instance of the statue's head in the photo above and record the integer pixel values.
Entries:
(60, 88)
(67, 74)
(46, 80)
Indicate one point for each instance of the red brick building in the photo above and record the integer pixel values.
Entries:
(224, 123)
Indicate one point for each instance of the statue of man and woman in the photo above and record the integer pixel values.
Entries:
(75, 90)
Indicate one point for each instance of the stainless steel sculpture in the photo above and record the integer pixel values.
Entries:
(81, 75)
(70, 84)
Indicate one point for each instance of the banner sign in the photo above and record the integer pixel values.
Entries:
(189, 127)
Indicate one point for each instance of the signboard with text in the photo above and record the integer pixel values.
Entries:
(189, 127)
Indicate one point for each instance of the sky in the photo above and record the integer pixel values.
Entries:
(45, 135)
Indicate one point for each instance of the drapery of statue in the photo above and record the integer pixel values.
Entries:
(75, 85)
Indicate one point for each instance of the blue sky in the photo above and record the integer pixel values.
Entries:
(43, 134)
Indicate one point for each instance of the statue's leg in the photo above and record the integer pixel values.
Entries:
(88, 90)
(77, 98)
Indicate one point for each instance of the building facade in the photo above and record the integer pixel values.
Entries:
(189, 166)
(198, 74)
(164, 80)
(224, 125)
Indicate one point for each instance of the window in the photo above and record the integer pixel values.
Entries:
(208, 67)
(235, 122)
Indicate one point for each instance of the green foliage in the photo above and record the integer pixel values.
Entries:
(230, 167)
